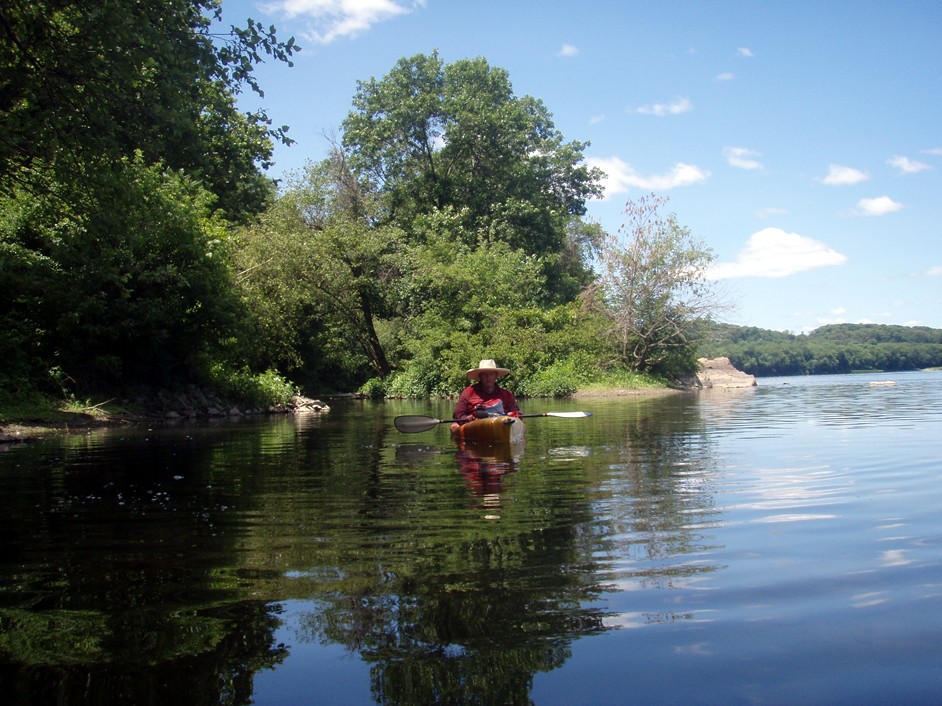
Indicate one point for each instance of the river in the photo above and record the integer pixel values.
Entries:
(774, 545)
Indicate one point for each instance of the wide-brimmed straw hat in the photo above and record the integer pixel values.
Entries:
(486, 366)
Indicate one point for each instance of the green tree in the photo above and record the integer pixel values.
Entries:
(121, 152)
(317, 266)
(435, 136)
(83, 82)
(653, 291)
(124, 277)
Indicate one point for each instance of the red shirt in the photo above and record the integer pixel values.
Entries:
(474, 397)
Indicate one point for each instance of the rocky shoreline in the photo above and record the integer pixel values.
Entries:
(165, 408)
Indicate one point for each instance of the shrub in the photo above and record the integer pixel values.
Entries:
(257, 390)
(374, 388)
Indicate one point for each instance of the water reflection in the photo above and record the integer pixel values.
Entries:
(457, 572)
(114, 577)
(162, 547)
(484, 467)
(156, 565)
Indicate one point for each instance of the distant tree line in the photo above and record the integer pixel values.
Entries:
(836, 348)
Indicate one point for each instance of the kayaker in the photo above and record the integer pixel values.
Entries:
(485, 398)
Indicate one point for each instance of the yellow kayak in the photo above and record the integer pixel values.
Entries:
(492, 430)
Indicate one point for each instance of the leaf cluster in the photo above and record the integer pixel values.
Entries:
(82, 83)
(433, 136)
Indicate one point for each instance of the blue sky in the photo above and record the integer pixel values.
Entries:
(800, 141)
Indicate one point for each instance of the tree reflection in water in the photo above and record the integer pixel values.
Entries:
(473, 636)
(152, 570)
(481, 613)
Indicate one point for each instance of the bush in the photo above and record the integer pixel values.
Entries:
(560, 379)
(256, 390)
(374, 388)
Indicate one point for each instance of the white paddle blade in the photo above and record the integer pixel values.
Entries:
(411, 424)
(569, 415)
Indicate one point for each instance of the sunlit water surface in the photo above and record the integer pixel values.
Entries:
(773, 545)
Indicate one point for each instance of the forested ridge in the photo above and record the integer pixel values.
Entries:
(835, 348)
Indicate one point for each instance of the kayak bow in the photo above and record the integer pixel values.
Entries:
(493, 430)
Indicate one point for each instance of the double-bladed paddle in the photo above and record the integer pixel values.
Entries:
(411, 424)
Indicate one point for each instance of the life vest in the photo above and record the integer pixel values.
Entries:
(493, 408)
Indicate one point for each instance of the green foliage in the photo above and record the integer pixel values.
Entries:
(653, 292)
(374, 388)
(561, 378)
(464, 284)
(551, 352)
(123, 159)
(837, 348)
(86, 82)
(436, 137)
(124, 277)
(876, 333)
(318, 278)
(256, 390)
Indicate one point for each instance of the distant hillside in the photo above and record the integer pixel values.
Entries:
(836, 348)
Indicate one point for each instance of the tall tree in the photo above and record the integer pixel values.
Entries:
(434, 136)
(121, 152)
(316, 266)
(82, 82)
(653, 290)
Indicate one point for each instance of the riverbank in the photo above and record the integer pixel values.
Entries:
(30, 418)
(23, 419)
(603, 393)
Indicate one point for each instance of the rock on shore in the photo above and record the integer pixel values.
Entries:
(209, 406)
(720, 373)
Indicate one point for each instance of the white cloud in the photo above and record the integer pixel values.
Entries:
(620, 176)
(725, 76)
(596, 119)
(678, 106)
(771, 252)
(934, 271)
(741, 157)
(906, 165)
(839, 175)
(879, 206)
(936, 151)
(770, 211)
(836, 316)
(334, 19)
(745, 53)
(568, 50)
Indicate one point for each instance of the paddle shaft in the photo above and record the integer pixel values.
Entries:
(414, 423)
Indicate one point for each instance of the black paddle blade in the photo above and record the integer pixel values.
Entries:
(410, 424)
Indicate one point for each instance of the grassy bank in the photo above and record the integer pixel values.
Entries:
(34, 412)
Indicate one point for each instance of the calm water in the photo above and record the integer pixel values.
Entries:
(776, 545)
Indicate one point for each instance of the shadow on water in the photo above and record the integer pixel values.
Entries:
(151, 566)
